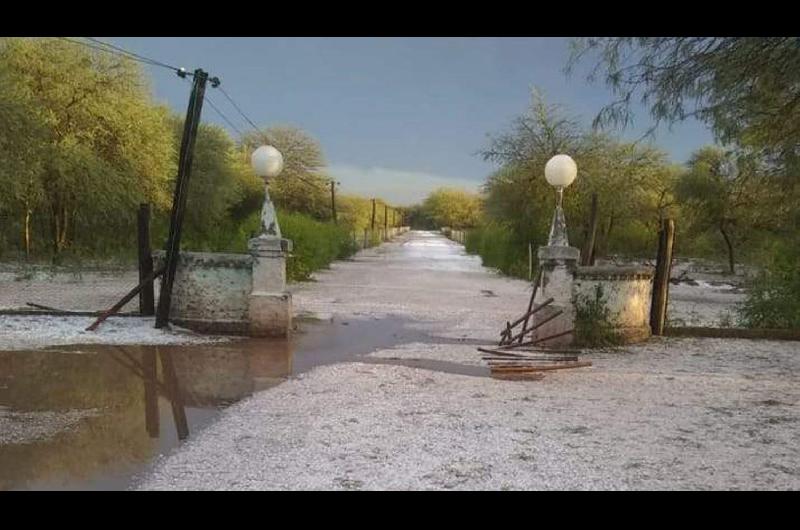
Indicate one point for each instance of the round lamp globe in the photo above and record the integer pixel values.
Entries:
(267, 161)
(560, 171)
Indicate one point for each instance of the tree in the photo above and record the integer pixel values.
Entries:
(723, 193)
(223, 190)
(632, 181)
(301, 186)
(745, 88)
(101, 145)
(453, 208)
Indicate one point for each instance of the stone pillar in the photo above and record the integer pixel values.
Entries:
(558, 265)
(270, 304)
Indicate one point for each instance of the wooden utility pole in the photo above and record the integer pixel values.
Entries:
(146, 296)
(333, 202)
(658, 307)
(372, 226)
(181, 192)
(587, 257)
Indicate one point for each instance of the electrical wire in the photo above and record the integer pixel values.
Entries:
(116, 50)
(238, 109)
(224, 117)
(110, 48)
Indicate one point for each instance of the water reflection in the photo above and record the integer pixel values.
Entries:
(92, 417)
(95, 417)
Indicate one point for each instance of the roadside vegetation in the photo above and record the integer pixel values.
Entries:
(734, 203)
(83, 143)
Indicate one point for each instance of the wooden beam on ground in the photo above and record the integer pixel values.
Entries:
(542, 339)
(125, 299)
(542, 368)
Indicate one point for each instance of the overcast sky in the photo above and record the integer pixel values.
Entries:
(396, 117)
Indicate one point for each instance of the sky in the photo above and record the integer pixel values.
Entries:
(396, 117)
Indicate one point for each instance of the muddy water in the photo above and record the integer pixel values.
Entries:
(95, 417)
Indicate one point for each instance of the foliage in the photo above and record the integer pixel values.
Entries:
(773, 298)
(301, 186)
(316, 244)
(633, 182)
(745, 88)
(453, 208)
(499, 248)
(96, 145)
(594, 325)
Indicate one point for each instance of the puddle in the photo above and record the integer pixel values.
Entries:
(93, 417)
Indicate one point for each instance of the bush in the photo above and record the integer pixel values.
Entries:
(499, 248)
(316, 244)
(773, 299)
(594, 325)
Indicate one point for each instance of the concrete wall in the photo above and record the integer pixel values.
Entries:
(627, 292)
(211, 291)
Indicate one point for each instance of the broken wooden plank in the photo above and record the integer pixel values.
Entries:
(125, 299)
(579, 364)
(535, 327)
(530, 303)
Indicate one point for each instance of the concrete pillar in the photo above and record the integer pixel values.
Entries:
(558, 265)
(270, 304)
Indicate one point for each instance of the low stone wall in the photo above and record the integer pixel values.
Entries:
(627, 295)
(211, 291)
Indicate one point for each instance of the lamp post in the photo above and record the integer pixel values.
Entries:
(270, 304)
(560, 171)
(267, 163)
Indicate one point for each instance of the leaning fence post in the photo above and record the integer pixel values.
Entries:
(658, 306)
(146, 295)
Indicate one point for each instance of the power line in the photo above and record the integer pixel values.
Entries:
(224, 117)
(110, 48)
(134, 55)
(253, 125)
(116, 50)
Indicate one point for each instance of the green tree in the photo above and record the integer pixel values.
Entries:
(745, 88)
(723, 193)
(453, 207)
(302, 186)
(632, 181)
(223, 190)
(102, 146)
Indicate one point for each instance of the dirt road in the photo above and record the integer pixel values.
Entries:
(669, 414)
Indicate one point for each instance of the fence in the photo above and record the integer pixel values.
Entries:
(371, 238)
(459, 236)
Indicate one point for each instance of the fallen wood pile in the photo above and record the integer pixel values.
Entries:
(506, 363)
(514, 358)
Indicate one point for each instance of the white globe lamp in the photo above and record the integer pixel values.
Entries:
(267, 163)
(560, 171)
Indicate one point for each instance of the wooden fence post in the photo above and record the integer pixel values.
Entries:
(658, 307)
(146, 295)
(588, 248)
